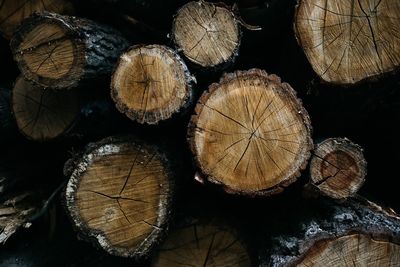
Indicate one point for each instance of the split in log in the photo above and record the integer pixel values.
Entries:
(202, 245)
(347, 42)
(119, 195)
(354, 233)
(43, 114)
(151, 83)
(13, 12)
(59, 51)
(207, 33)
(337, 168)
(250, 133)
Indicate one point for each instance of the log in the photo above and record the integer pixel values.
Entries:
(356, 233)
(250, 134)
(13, 12)
(349, 42)
(59, 51)
(119, 195)
(151, 83)
(203, 244)
(43, 114)
(337, 168)
(208, 34)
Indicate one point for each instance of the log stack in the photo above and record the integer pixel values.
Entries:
(161, 126)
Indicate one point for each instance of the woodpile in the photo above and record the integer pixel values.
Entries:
(169, 133)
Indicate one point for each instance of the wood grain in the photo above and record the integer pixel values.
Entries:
(338, 168)
(151, 83)
(349, 41)
(207, 33)
(352, 250)
(43, 114)
(13, 12)
(201, 245)
(250, 133)
(119, 193)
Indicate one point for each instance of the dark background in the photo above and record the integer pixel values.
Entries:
(367, 113)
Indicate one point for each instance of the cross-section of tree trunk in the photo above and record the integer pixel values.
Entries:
(337, 168)
(119, 195)
(13, 12)
(151, 83)
(355, 233)
(250, 133)
(348, 41)
(200, 244)
(43, 114)
(59, 51)
(207, 33)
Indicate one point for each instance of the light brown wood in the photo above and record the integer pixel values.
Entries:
(250, 133)
(61, 52)
(151, 83)
(43, 114)
(348, 41)
(352, 250)
(48, 52)
(201, 245)
(338, 168)
(13, 12)
(119, 194)
(207, 33)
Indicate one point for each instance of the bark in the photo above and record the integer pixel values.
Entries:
(126, 188)
(151, 83)
(250, 133)
(68, 50)
(337, 168)
(354, 222)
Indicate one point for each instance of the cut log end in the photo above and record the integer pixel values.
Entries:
(355, 249)
(13, 12)
(61, 51)
(48, 51)
(151, 83)
(346, 43)
(202, 245)
(43, 114)
(207, 33)
(338, 168)
(119, 195)
(354, 232)
(250, 133)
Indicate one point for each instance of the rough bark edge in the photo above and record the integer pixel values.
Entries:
(83, 32)
(370, 78)
(215, 68)
(77, 165)
(70, 31)
(362, 164)
(66, 130)
(189, 81)
(355, 216)
(291, 93)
